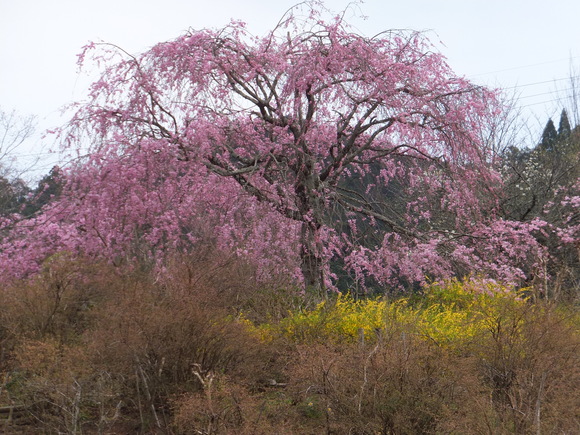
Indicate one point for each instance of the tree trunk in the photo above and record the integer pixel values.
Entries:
(311, 257)
(310, 208)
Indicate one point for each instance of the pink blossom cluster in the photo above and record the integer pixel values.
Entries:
(144, 207)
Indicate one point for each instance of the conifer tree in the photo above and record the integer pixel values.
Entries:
(549, 136)
(564, 129)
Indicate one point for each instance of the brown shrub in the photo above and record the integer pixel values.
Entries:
(229, 283)
(58, 301)
(401, 384)
(529, 359)
(162, 340)
(88, 348)
(224, 407)
(92, 348)
(57, 385)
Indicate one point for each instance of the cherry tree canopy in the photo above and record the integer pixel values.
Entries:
(305, 147)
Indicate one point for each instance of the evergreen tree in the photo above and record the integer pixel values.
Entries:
(13, 195)
(549, 136)
(48, 189)
(564, 128)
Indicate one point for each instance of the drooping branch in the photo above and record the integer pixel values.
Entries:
(315, 121)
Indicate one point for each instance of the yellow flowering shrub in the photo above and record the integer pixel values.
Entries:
(343, 318)
(449, 314)
(454, 312)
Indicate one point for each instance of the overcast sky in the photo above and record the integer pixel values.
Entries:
(527, 44)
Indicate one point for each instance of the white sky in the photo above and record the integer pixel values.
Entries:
(501, 43)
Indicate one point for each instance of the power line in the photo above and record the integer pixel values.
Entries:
(540, 83)
(525, 66)
(38, 155)
(546, 93)
(543, 102)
